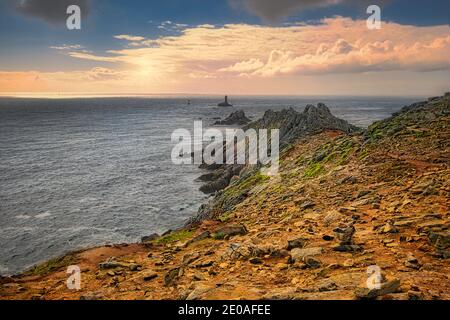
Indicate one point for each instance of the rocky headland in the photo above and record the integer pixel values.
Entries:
(237, 118)
(346, 201)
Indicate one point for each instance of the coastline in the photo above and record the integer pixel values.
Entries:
(218, 222)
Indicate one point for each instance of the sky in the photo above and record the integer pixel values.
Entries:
(245, 47)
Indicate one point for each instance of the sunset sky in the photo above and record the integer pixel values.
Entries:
(286, 47)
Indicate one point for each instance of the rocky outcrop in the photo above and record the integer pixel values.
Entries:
(225, 103)
(236, 118)
(294, 125)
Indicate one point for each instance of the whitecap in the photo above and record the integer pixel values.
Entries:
(23, 216)
(43, 215)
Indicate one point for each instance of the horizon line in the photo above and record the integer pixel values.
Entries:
(81, 95)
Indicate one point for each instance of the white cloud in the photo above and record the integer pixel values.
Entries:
(129, 37)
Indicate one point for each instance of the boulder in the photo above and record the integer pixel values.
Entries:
(296, 243)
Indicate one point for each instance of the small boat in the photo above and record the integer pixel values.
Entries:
(225, 103)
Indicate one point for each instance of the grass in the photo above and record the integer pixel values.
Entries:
(53, 265)
(246, 185)
(174, 237)
(314, 170)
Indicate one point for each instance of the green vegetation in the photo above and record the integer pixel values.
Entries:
(337, 152)
(174, 237)
(314, 170)
(53, 265)
(245, 185)
(225, 217)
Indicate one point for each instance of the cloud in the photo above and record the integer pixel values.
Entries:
(244, 66)
(129, 38)
(272, 11)
(67, 47)
(336, 45)
(89, 56)
(208, 58)
(50, 11)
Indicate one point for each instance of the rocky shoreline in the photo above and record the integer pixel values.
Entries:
(346, 200)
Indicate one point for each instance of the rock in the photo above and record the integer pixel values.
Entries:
(256, 261)
(327, 286)
(389, 228)
(311, 262)
(199, 292)
(431, 224)
(348, 248)
(278, 253)
(281, 294)
(347, 210)
(91, 297)
(171, 276)
(225, 103)
(412, 262)
(190, 257)
(327, 238)
(404, 223)
(294, 125)
(348, 179)
(111, 273)
(296, 243)
(202, 236)
(134, 267)
(149, 275)
(198, 277)
(236, 118)
(386, 288)
(332, 217)
(363, 193)
(150, 238)
(440, 240)
(204, 264)
(298, 254)
(307, 204)
(345, 235)
(229, 231)
(421, 187)
(111, 263)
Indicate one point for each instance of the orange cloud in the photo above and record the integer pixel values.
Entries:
(209, 57)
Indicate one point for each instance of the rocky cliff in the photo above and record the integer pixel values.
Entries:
(292, 125)
(343, 205)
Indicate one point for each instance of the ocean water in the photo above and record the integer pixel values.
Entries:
(77, 173)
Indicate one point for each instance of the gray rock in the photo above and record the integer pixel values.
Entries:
(345, 235)
(229, 231)
(202, 236)
(236, 118)
(441, 240)
(348, 248)
(149, 275)
(149, 238)
(296, 243)
(171, 276)
(299, 254)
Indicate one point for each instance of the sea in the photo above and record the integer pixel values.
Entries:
(83, 172)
